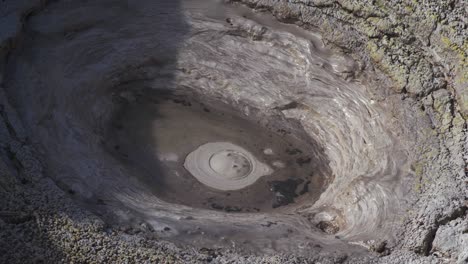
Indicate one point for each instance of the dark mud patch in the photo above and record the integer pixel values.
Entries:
(154, 133)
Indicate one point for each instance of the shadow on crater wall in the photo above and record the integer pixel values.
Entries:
(83, 49)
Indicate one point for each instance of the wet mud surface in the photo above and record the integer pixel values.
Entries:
(125, 107)
(102, 104)
(156, 130)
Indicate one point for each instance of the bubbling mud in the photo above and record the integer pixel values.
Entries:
(181, 144)
(119, 103)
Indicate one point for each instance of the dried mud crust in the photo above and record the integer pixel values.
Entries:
(419, 50)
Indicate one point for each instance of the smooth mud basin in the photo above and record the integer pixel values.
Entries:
(208, 131)
(154, 132)
(130, 95)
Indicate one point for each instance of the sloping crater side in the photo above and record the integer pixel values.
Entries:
(112, 105)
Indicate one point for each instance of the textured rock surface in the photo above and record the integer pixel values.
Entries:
(412, 61)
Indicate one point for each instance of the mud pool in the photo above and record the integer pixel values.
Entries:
(157, 130)
(121, 105)
(124, 107)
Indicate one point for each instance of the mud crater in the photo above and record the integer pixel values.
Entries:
(127, 98)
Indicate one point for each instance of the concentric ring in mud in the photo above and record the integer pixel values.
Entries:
(225, 166)
(129, 99)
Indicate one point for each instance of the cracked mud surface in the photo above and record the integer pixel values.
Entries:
(369, 97)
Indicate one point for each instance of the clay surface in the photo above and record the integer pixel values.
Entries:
(355, 111)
